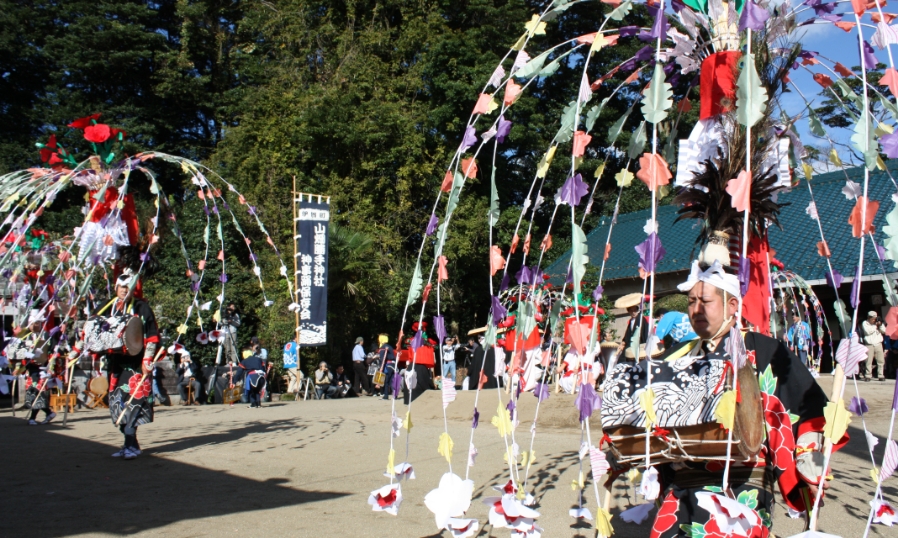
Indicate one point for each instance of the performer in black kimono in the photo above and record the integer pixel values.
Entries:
(255, 369)
(793, 410)
(483, 368)
(130, 377)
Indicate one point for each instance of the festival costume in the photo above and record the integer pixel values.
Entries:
(789, 449)
(255, 378)
(125, 372)
(38, 385)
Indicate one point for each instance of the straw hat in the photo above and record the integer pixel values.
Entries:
(631, 299)
(659, 350)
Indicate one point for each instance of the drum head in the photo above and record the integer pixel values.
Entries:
(133, 337)
(749, 424)
(99, 385)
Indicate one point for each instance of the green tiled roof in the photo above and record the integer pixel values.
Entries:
(795, 244)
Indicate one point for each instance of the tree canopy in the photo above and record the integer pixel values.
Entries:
(362, 101)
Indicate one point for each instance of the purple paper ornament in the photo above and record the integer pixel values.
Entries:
(645, 53)
(476, 419)
(858, 406)
(523, 275)
(223, 278)
(659, 28)
(597, 293)
(869, 58)
(498, 311)
(506, 280)
(586, 401)
(855, 298)
(753, 16)
(502, 129)
(439, 325)
(881, 252)
(215, 209)
(895, 399)
(396, 384)
(510, 407)
(470, 138)
(890, 145)
(417, 341)
(432, 225)
(651, 252)
(541, 391)
(834, 280)
(573, 190)
(627, 31)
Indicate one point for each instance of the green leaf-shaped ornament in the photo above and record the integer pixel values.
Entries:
(615, 130)
(814, 124)
(533, 66)
(494, 200)
(767, 381)
(891, 231)
(637, 142)
(621, 11)
(417, 284)
(751, 97)
(658, 98)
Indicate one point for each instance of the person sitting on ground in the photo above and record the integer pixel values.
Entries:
(341, 382)
(255, 377)
(323, 382)
(187, 372)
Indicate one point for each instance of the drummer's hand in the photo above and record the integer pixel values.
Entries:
(812, 490)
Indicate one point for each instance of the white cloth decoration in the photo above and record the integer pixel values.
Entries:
(883, 513)
(581, 513)
(714, 275)
(380, 495)
(403, 471)
(650, 487)
(463, 528)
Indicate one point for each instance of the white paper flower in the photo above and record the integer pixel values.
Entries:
(651, 226)
(403, 471)
(202, 338)
(650, 488)
(451, 499)
(515, 515)
(733, 518)
(581, 513)
(395, 425)
(637, 514)
(472, 455)
(811, 210)
(463, 528)
(206, 306)
(386, 499)
(883, 513)
(851, 190)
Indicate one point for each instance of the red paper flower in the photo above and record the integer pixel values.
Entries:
(82, 123)
(55, 159)
(115, 133)
(98, 133)
(48, 150)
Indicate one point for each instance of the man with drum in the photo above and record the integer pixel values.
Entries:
(130, 371)
(791, 455)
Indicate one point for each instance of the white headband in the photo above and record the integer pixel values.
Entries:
(125, 279)
(714, 275)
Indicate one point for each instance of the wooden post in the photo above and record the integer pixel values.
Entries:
(297, 332)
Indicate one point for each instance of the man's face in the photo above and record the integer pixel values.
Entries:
(796, 318)
(633, 311)
(339, 369)
(122, 292)
(871, 319)
(706, 309)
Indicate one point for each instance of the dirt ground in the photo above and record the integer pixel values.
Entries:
(306, 469)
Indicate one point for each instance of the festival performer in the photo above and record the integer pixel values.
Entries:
(633, 302)
(799, 336)
(254, 377)
(568, 370)
(792, 453)
(388, 362)
(130, 377)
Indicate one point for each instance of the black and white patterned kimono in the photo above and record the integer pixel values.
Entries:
(793, 405)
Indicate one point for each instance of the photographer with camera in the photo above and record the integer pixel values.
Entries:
(872, 330)
(230, 320)
(450, 346)
(323, 382)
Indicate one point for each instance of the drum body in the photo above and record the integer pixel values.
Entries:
(687, 393)
(116, 334)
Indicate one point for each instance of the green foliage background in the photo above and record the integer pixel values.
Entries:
(363, 101)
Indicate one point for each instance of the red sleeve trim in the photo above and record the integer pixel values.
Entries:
(151, 340)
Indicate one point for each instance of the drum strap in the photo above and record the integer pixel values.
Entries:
(683, 350)
(759, 477)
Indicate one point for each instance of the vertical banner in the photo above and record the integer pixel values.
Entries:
(311, 268)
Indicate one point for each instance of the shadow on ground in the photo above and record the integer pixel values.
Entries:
(64, 486)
